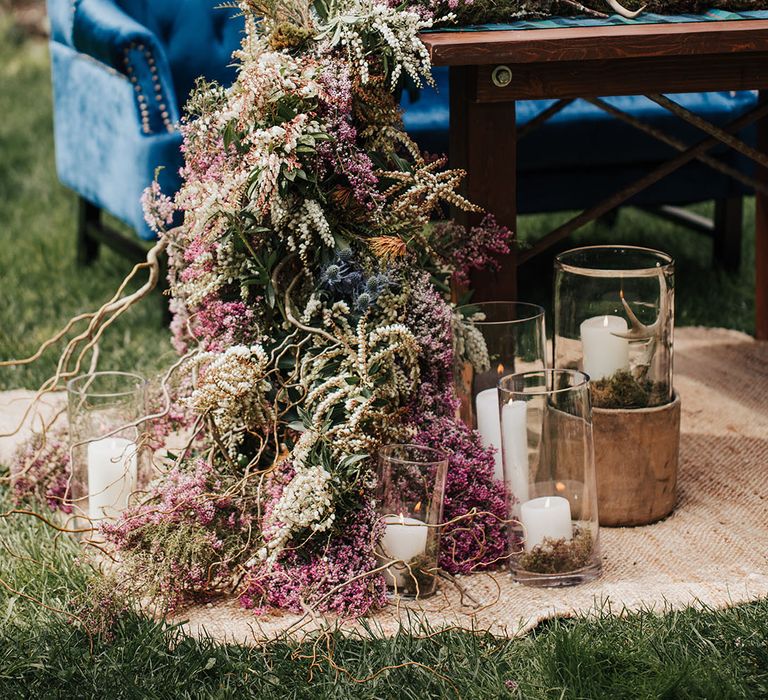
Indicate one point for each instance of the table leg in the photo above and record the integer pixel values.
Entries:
(761, 234)
(483, 142)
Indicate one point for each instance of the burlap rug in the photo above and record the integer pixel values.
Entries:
(712, 551)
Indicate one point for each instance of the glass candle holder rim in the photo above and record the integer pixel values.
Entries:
(438, 455)
(535, 311)
(73, 388)
(583, 382)
(663, 261)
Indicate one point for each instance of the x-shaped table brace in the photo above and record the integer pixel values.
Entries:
(686, 154)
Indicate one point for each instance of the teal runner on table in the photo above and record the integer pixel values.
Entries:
(561, 22)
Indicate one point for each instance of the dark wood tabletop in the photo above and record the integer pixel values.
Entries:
(596, 43)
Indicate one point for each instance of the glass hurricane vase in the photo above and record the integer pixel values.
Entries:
(614, 320)
(106, 438)
(495, 338)
(411, 487)
(546, 424)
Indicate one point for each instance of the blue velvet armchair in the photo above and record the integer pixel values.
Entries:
(122, 70)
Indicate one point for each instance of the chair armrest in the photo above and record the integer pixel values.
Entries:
(104, 32)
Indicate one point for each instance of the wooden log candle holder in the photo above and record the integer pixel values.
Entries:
(636, 457)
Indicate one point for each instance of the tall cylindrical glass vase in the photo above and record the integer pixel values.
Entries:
(107, 445)
(494, 339)
(546, 432)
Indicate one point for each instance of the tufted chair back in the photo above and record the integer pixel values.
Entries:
(198, 38)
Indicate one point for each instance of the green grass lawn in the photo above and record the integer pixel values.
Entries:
(688, 654)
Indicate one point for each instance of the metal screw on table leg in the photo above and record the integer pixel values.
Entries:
(501, 76)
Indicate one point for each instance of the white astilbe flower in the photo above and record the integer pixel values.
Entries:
(365, 27)
(368, 376)
(304, 504)
(304, 227)
(231, 389)
(469, 342)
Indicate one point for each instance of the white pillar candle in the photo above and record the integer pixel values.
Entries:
(514, 431)
(604, 354)
(487, 412)
(546, 517)
(403, 540)
(111, 476)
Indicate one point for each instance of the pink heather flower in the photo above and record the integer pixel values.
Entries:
(158, 208)
(179, 497)
(41, 470)
(474, 250)
(220, 324)
(328, 574)
(479, 541)
(342, 156)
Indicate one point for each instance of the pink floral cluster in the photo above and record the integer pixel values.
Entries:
(473, 499)
(477, 250)
(342, 155)
(332, 577)
(184, 532)
(473, 541)
(188, 496)
(158, 208)
(220, 324)
(40, 470)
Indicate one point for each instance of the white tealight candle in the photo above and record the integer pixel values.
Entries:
(514, 431)
(403, 540)
(487, 411)
(546, 517)
(604, 354)
(111, 476)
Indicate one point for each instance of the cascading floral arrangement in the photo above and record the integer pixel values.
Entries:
(308, 288)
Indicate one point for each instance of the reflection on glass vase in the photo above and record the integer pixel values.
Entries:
(107, 445)
(493, 339)
(411, 487)
(546, 424)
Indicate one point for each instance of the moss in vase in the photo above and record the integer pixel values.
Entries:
(622, 390)
(419, 580)
(559, 556)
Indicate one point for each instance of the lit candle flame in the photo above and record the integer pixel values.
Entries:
(417, 507)
(560, 486)
(500, 369)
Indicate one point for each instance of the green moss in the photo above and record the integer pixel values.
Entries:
(622, 390)
(287, 35)
(559, 556)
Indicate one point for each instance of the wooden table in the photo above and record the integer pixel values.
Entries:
(490, 70)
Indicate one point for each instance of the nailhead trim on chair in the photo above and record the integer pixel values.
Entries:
(141, 98)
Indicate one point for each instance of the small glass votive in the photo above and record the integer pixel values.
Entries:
(495, 338)
(106, 440)
(411, 487)
(546, 426)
